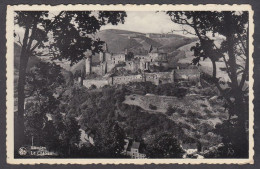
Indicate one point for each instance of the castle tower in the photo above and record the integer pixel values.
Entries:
(88, 63)
(105, 47)
(101, 56)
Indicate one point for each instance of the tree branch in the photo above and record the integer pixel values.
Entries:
(19, 40)
(47, 30)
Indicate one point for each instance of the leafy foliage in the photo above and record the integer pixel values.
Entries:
(110, 140)
(164, 145)
(68, 35)
(233, 47)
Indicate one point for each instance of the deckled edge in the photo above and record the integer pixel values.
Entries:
(10, 85)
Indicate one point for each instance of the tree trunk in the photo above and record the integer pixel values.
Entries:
(19, 125)
(214, 67)
(239, 105)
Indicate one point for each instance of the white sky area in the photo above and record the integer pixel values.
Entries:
(146, 22)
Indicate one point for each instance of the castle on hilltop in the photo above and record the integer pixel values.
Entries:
(140, 67)
(108, 61)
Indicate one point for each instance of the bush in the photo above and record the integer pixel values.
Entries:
(191, 114)
(203, 105)
(152, 107)
(171, 110)
(180, 111)
(181, 92)
(93, 87)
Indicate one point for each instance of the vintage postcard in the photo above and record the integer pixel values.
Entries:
(130, 84)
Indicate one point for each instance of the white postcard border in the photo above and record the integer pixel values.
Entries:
(128, 7)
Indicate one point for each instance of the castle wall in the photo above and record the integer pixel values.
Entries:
(107, 56)
(157, 57)
(187, 75)
(127, 79)
(142, 65)
(152, 77)
(110, 65)
(132, 65)
(140, 56)
(97, 82)
(117, 58)
(97, 69)
(160, 77)
(156, 78)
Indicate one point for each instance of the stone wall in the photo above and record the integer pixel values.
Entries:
(108, 56)
(117, 58)
(152, 77)
(132, 65)
(160, 77)
(97, 82)
(126, 79)
(97, 69)
(157, 57)
(110, 65)
(187, 75)
(156, 78)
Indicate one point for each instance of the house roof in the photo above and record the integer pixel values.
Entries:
(189, 146)
(135, 145)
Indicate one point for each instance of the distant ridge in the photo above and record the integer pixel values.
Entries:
(136, 42)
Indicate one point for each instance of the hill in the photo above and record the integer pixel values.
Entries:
(119, 40)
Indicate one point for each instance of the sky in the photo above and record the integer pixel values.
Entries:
(138, 21)
(146, 22)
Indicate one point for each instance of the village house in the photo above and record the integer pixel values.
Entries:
(133, 149)
(190, 148)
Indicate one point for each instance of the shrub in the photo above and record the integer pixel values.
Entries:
(181, 92)
(152, 107)
(132, 98)
(93, 87)
(180, 111)
(194, 120)
(171, 110)
(191, 114)
(203, 105)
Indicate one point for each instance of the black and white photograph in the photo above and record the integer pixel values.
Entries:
(130, 83)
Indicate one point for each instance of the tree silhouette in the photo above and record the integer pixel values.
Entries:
(110, 140)
(233, 26)
(68, 35)
(164, 145)
(41, 83)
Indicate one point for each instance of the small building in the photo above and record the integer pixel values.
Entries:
(134, 149)
(190, 148)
